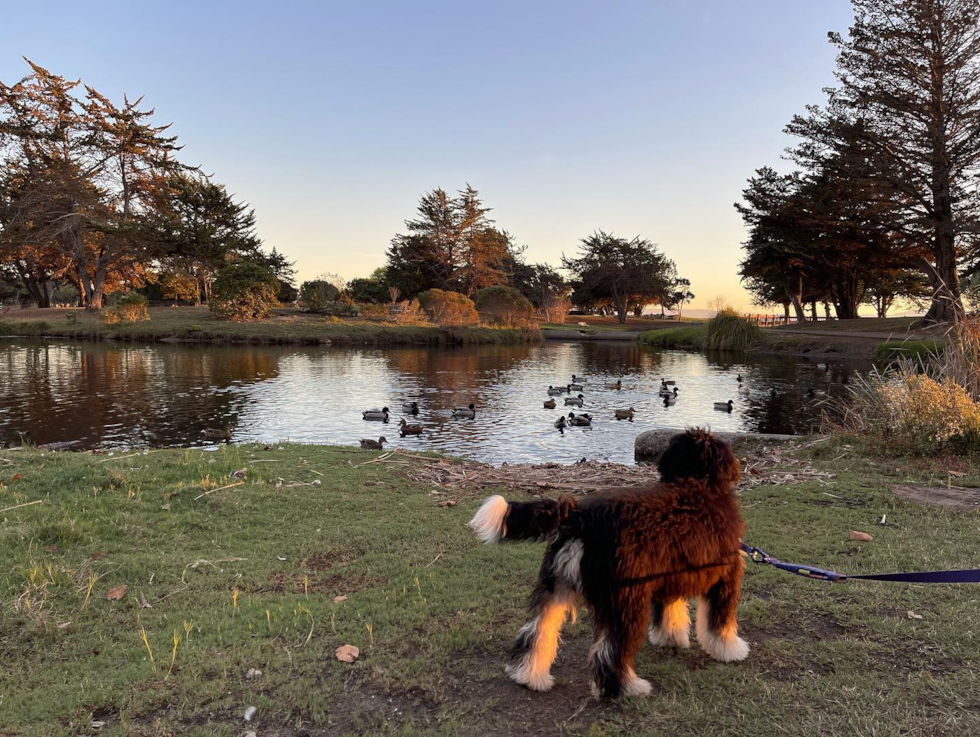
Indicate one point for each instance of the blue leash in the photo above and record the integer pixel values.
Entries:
(963, 576)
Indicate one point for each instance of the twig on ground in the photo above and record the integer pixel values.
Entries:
(220, 488)
(18, 506)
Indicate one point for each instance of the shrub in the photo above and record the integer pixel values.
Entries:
(914, 412)
(110, 316)
(133, 307)
(317, 296)
(408, 312)
(505, 306)
(556, 309)
(729, 331)
(368, 290)
(374, 312)
(72, 318)
(448, 308)
(244, 291)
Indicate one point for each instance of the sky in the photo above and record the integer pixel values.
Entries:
(331, 119)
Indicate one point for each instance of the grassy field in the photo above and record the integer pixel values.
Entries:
(897, 325)
(249, 578)
(601, 323)
(287, 326)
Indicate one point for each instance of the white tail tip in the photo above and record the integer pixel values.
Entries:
(488, 522)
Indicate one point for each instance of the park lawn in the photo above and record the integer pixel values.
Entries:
(286, 326)
(246, 577)
(896, 325)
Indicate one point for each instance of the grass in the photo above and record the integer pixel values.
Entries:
(864, 325)
(603, 323)
(911, 349)
(694, 337)
(246, 578)
(197, 324)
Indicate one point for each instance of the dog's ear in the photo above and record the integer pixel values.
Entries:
(697, 454)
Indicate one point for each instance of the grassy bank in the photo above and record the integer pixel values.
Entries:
(694, 337)
(249, 577)
(196, 324)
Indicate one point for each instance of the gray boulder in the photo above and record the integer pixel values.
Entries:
(650, 444)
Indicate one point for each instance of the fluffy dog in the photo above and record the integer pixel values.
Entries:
(634, 557)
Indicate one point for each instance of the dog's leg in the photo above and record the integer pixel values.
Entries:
(717, 626)
(618, 637)
(671, 624)
(537, 642)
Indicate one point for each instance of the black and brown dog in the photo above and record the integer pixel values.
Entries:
(634, 557)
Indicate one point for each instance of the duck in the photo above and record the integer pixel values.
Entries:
(464, 412)
(725, 406)
(739, 379)
(561, 424)
(822, 366)
(582, 420)
(406, 429)
(814, 393)
(575, 401)
(412, 407)
(578, 379)
(217, 433)
(617, 385)
(576, 387)
(625, 414)
(550, 404)
(368, 444)
(664, 392)
(664, 382)
(772, 391)
(669, 400)
(554, 390)
(376, 414)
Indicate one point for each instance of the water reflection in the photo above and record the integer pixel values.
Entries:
(161, 395)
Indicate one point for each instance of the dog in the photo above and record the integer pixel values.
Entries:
(634, 557)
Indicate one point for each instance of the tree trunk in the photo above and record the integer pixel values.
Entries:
(786, 311)
(813, 309)
(946, 305)
(794, 293)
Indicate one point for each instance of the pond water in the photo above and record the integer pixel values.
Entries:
(114, 396)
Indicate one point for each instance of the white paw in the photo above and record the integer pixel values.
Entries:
(729, 650)
(660, 637)
(524, 676)
(637, 687)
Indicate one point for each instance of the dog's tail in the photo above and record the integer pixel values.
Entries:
(499, 519)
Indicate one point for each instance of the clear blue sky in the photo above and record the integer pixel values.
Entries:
(332, 118)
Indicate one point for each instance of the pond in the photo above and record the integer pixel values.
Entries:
(114, 396)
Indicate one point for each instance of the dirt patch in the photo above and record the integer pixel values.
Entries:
(953, 497)
(346, 582)
(328, 559)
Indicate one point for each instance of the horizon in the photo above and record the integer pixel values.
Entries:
(566, 122)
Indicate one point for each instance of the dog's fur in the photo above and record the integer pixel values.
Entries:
(634, 557)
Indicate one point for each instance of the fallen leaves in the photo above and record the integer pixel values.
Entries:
(253, 673)
(97, 555)
(338, 599)
(347, 653)
(116, 593)
(913, 615)
(241, 473)
(448, 503)
(862, 536)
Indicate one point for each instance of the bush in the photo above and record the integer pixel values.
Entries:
(914, 412)
(317, 296)
(244, 291)
(368, 290)
(448, 308)
(133, 307)
(556, 309)
(729, 331)
(505, 306)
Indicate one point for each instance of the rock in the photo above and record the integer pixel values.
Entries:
(650, 444)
